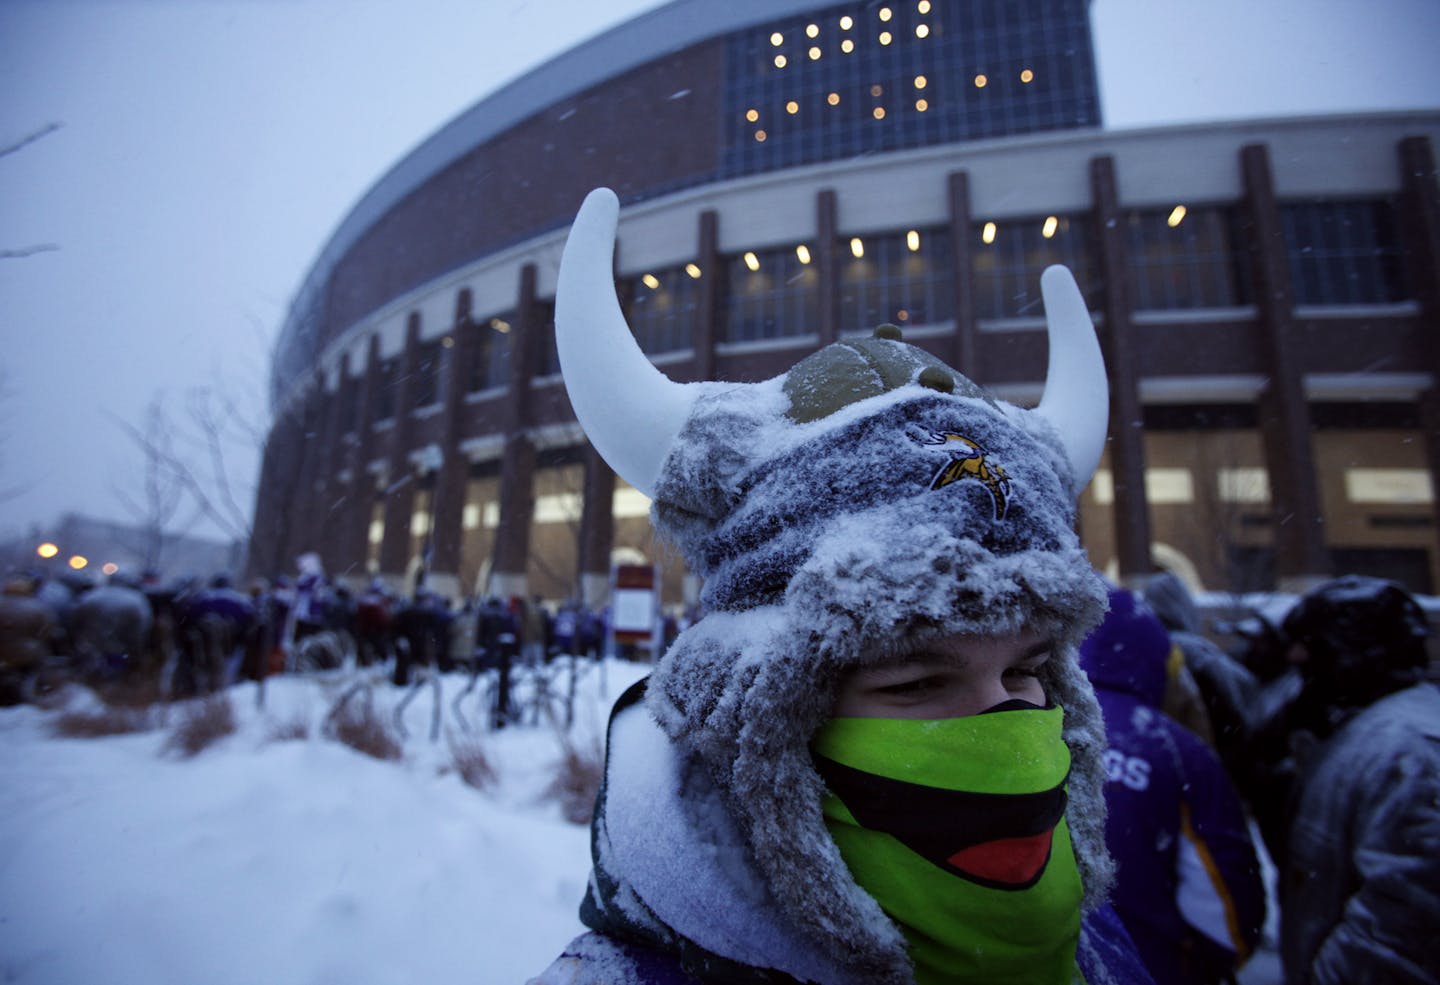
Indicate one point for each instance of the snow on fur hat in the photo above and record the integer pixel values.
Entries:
(868, 499)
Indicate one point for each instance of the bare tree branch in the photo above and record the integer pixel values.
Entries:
(28, 251)
(29, 138)
(164, 483)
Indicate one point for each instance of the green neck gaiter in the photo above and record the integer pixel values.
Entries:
(956, 827)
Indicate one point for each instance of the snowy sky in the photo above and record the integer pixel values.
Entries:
(210, 147)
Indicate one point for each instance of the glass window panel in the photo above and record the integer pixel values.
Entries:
(490, 356)
(991, 68)
(1011, 254)
(893, 282)
(428, 361)
(778, 298)
(1186, 260)
(664, 305)
(1345, 252)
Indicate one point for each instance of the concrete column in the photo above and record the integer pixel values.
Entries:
(400, 493)
(325, 493)
(964, 350)
(707, 320)
(274, 501)
(304, 505)
(597, 530)
(336, 461)
(1301, 558)
(1122, 365)
(827, 260)
(449, 504)
(360, 490)
(517, 471)
(1420, 217)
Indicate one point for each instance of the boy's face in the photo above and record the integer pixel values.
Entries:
(948, 678)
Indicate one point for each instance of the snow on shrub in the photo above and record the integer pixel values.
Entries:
(202, 722)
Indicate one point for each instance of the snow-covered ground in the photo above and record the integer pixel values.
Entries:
(287, 860)
(275, 860)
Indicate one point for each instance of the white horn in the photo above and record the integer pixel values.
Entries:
(1077, 396)
(629, 409)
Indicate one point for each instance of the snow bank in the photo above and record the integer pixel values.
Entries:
(296, 861)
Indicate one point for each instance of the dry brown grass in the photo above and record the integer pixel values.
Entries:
(97, 723)
(144, 692)
(469, 759)
(201, 724)
(577, 778)
(353, 721)
(292, 730)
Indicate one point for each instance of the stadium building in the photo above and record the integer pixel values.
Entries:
(792, 173)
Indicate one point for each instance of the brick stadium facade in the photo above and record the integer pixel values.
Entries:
(791, 173)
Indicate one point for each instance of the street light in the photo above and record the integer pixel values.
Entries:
(78, 561)
(47, 550)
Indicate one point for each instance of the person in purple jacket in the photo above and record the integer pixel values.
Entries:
(1188, 884)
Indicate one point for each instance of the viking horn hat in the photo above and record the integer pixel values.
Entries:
(632, 412)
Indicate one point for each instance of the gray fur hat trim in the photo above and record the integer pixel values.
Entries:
(832, 544)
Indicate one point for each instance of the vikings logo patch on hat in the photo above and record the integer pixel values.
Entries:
(968, 460)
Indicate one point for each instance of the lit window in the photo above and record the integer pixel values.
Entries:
(814, 54)
(921, 105)
(779, 61)
(500, 325)
(902, 315)
(792, 107)
(912, 240)
(847, 22)
(921, 82)
(877, 90)
(988, 233)
(1027, 76)
(1410, 487)
(752, 115)
(857, 247)
(651, 281)
(753, 262)
(833, 99)
(759, 136)
(1177, 216)
(812, 31)
(847, 46)
(879, 112)
(1051, 224)
(980, 81)
(693, 270)
(448, 342)
(923, 6)
(777, 39)
(885, 13)
(923, 31)
(802, 253)
(885, 37)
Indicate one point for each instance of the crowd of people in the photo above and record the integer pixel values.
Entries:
(187, 637)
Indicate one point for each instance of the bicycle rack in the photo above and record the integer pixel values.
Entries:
(423, 675)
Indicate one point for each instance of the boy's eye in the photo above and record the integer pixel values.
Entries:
(912, 688)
